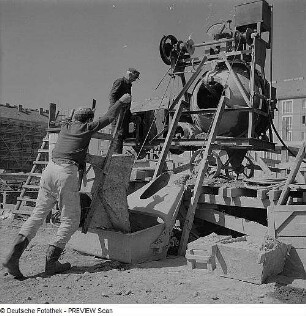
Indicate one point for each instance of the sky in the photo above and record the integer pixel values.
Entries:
(69, 52)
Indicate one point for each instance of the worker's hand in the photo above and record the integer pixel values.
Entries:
(126, 98)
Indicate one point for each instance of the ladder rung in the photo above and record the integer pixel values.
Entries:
(30, 186)
(43, 150)
(26, 199)
(23, 211)
(33, 174)
(40, 162)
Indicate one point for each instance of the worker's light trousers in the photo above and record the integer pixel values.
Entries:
(58, 183)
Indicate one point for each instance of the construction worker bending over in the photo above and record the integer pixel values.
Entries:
(60, 183)
(120, 87)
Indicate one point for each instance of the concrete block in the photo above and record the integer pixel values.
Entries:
(200, 254)
(295, 265)
(246, 261)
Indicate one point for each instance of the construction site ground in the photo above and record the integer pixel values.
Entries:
(97, 281)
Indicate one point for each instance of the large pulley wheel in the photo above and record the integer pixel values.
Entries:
(214, 163)
(165, 48)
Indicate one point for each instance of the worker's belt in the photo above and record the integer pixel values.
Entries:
(60, 161)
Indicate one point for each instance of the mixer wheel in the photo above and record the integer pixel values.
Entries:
(165, 48)
(246, 168)
(214, 163)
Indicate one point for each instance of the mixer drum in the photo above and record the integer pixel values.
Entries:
(207, 93)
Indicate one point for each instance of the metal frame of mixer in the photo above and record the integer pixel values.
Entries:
(245, 43)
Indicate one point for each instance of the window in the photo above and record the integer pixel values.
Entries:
(303, 119)
(304, 104)
(287, 107)
(303, 136)
(287, 128)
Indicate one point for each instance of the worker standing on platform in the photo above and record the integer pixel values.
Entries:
(120, 87)
(60, 183)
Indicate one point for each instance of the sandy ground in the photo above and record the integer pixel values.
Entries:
(97, 281)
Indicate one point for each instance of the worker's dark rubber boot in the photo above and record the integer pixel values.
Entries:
(12, 261)
(53, 266)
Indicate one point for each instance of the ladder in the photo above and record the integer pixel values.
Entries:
(200, 177)
(31, 185)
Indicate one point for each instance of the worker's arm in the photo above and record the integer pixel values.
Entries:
(112, 113)
(114, 91)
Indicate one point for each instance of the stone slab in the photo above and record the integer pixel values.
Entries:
(111, 208)
(246, 261)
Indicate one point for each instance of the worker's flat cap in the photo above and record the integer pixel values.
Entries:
(134, 71)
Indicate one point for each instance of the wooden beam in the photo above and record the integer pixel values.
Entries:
(241, 201)
(176, 118)
(93, 106)
(238, 224)
(201, 173)
(294, 170)
(237, 81)
(52, 113)
(188, 84)
(165, 150)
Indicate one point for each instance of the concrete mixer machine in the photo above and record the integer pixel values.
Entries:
(231, 66)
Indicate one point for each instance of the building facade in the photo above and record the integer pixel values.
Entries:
(290, 117)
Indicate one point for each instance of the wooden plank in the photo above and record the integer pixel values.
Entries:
(241, 201)
(170, 134)
(262, 194)
(237, 81)
(229, 221)
(197, 258)
(291, 223)
(200, 177)
(30, 186)
(236, 192)
(24, 211)
(301, 187)
(290, 208)
(297, 163)
(26, 199)
(52, 113)
(287, 220)
(265, 168)
(34, 174)
(271, 221)
(274, 194)
(296, 242)
(40, 162)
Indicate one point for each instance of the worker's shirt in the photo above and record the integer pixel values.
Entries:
(120, 87)
(74, 137)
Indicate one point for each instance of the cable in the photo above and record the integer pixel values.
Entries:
(281, 140)
(147, 135)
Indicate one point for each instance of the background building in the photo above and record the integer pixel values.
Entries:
(290, 119)
(21, 134)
